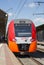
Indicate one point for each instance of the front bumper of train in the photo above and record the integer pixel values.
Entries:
(22, 47)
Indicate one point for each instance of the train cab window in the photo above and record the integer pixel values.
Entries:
(23, 30)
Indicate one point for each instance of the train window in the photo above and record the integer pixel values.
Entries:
(23, 30)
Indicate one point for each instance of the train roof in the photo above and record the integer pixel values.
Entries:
(22, 20)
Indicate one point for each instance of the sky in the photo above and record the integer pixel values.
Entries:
(24, 9)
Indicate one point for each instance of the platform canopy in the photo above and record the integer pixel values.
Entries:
(3, 16)
(41, 27)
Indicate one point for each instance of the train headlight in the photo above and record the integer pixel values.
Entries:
(32, 40)
(13, 40)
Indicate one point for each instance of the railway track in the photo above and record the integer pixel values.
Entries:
(40, 43)
(32, 59)
(36, 61)
(29, 61)
(38, 57)
(40, 47)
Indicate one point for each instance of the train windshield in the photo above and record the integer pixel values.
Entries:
(23, 30)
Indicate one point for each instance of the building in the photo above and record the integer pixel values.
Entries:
(40, 32)
(3, 21)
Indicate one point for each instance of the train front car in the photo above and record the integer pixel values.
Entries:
(22, 36)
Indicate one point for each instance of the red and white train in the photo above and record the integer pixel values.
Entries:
(22, 36)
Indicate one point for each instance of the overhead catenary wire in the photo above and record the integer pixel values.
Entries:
(20, 2)
(17, 8)
(20, 8)
(40, 13)
(39, 2)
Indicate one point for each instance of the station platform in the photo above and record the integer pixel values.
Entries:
(6, 56)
